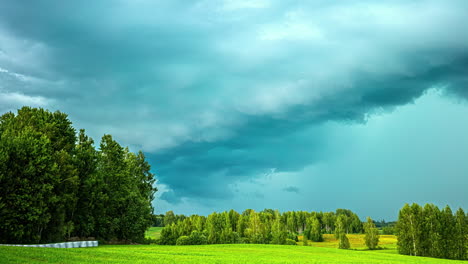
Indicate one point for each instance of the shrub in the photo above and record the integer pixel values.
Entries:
(290, 242)
(389, 230)
(344, 242)
(183, 240)
(197, 238)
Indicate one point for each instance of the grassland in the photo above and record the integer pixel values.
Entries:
(387, 242)
(153, 232)
(222, 254)
(322, 252)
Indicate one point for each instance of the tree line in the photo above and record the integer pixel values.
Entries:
(429, 231)
(56, 185)
(265, 227)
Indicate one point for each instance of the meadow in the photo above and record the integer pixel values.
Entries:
(240, 253)
(317, 252)
(153, 232)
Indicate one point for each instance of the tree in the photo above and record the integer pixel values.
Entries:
(91, 201)
(197, 238)
(329, 221)
(340, 226)
(432, 243)
(343, 242)
(448, 233)
(38, 176)
(55, 185)
(461, 235)
(254, 231)
(278, 231)
(313, 230)
(371, 234)
(27, 180)
(169, 219)
(410, 230)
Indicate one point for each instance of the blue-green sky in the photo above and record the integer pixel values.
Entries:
(291, 105)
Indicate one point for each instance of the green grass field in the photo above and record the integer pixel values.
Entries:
(317, 252)
(206, 254)
(153, 232)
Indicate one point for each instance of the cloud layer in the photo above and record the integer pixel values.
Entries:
(222, 92)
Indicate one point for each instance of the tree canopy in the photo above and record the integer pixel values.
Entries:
(56, 184)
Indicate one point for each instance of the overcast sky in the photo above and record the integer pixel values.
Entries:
(290, 105)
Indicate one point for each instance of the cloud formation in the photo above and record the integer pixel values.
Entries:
(221, 92)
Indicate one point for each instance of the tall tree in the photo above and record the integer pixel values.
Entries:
(278, 231)
(169, 218)
(91, 201)
(314, 229)
(371, 234)
(48, 138)
(410, 230)
(340, 232)
(432, 243)
(461, 235)
(448, 233)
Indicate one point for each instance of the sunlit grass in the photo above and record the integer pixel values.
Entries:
(356, 241)
(240, 253)
(153, 232)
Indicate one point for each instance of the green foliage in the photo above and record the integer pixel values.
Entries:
(343, 242)
(313, 230)
(55, 185)
(371, 234)
(169, 219)
(290, 242)
(389, 230)
(197, 238)
(430, 232)
(183, 240)
(250, 227)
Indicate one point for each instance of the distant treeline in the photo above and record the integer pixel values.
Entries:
(265, 227)
(429, 231)
(56, 185)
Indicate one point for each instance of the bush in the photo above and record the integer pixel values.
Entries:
(197, 238)
(293, 236)
(290, 242)
(388, 230)
(343, 242)
(183, 240)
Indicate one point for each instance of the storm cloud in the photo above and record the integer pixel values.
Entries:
(224, 93)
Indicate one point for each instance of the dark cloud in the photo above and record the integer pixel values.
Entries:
(218, 92)
(292, 189)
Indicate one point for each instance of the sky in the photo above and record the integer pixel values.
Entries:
(290, 105)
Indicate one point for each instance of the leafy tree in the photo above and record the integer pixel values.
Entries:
(55, 185)
(448, 233)
(343, 242)
(91, 201)
(313, 230)
(278, 231)
(340, 233)
(409, 230)
(197, 238)
(461, 235)
(254, 231)
(168, 235)
(371, 234)
(340, 226)
(28, 180)
(183, 240)
(432, 243)
(170, 218)
(329, 220)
